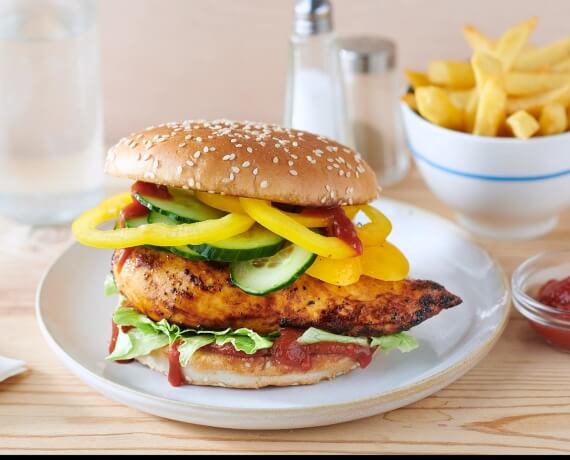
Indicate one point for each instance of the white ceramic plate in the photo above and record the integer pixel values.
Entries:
(75, 318)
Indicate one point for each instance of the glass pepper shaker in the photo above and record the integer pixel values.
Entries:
(371, 91)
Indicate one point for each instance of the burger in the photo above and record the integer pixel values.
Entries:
(238, 263)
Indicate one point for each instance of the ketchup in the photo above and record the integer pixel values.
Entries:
(556, 294)
(131, 211)
(339, 225)
(113, 342)
(287, 351)
(153, 190)
(175, 374)
(125, 253)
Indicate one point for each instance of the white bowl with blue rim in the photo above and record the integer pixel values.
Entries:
(498, 187)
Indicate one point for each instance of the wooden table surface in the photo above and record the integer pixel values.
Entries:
(517, 400)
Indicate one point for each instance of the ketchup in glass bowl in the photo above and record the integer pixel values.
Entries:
(541, 293)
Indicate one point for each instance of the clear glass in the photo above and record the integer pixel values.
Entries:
(374, 118)
(551, 323)
(314, 98)
(51, 138)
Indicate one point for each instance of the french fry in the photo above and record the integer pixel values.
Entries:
(513, 41)
(562, 66)
(522, 124)
(435, 106)
(416, 79)
(553, 119)
(526, 83)
(410, 99)
(485, 66)
(491, 110)
(477, 40)
(532, 104)
(541, 58)
(471, 111)
(460, 97)
(451, 74)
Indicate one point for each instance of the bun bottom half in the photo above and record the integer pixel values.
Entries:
(211, 368)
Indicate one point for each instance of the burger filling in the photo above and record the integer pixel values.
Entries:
(265, 248)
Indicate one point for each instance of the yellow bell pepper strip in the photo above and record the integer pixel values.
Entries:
(385, 262)
(222, 202)
(232, 204)
(377, 230)
(335, 271)
(85, 229)
(280, 223)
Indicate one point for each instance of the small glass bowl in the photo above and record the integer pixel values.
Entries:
(552, 324)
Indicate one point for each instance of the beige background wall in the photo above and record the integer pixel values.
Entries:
(172, 59)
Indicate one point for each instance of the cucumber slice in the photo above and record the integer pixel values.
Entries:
(263, 276)
(136, 222)
(186, 252)
(183, 207)
(182, 251)
(257, 242)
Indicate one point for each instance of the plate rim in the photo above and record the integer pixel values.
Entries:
(432, 381)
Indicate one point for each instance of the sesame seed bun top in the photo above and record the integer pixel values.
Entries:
(245, 159)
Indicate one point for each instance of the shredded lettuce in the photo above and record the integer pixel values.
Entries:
(402, 341)
(314, 335)
(147, 335)
(109, 286)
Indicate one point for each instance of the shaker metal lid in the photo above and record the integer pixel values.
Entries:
(367, 54)
(312, 17)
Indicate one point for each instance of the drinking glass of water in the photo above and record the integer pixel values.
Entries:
(51, 135)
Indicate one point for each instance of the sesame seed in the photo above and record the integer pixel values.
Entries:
(295, 157)
(249, 150)
(198, 139)
(245, 164)
(146, 157)
(323, 199)
(189, 162)
(348, 174)
(212, 149)
(206, 149)
(264, 184)
(329, 167)
(188, 137)
(349, 190)
(234, 169)
(178, 170)
(255, 171)
(295, 144)
(290, 162)
(226, 157)
(341, 173)
(233, 140)
(275, 159)
(293, 172)
(239, 145)
(330, 160)
(336, 165)
(197, 154)
(183, 144)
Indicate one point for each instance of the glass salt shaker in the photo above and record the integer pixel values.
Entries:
(314, 97)
(371, 90)
(51, 132)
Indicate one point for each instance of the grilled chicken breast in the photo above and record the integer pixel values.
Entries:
(200, 294)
